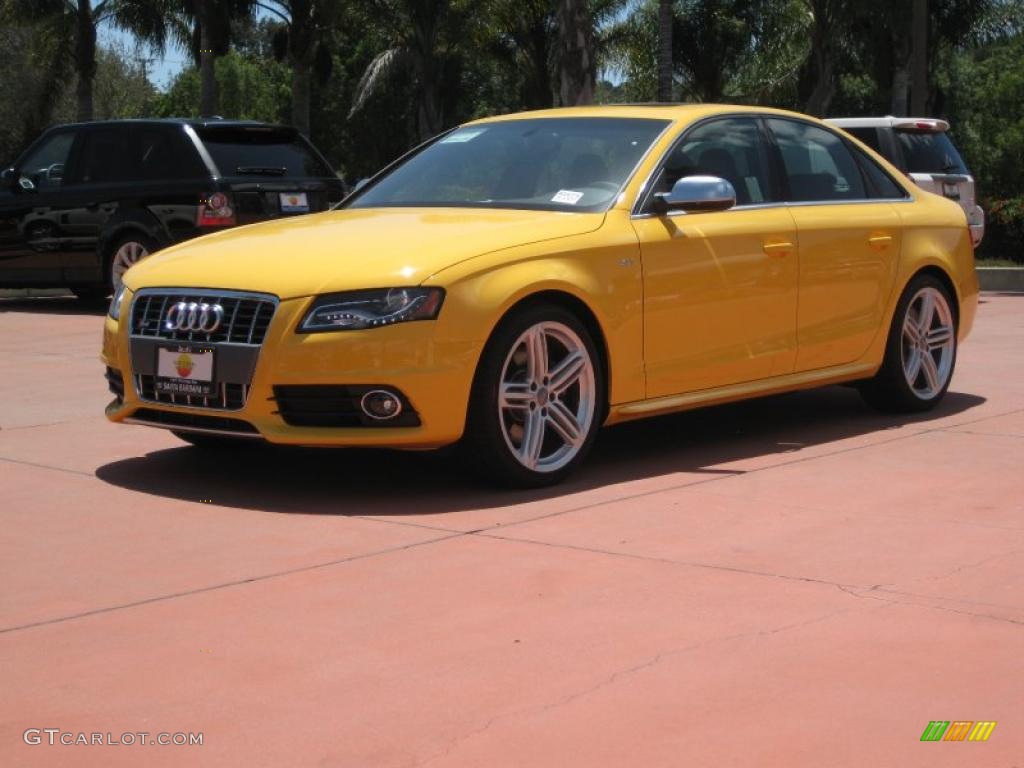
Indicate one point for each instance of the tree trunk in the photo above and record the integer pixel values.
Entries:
(207, 76)
(664, 50)
(577, 67)
(818, 73)
(919, 65)
(85, 59)
(301, 96)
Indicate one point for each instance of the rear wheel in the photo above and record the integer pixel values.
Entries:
(920, 352)
(537, 398)
(124, 253)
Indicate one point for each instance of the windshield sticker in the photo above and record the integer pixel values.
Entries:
(567, 196)
(461, 137)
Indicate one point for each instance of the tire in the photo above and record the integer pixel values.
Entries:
(907, 382)
(210, 442)
(523, 428)
(122, 254)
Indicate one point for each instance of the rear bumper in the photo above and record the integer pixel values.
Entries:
(434, 375)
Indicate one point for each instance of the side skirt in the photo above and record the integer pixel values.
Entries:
(793, 381)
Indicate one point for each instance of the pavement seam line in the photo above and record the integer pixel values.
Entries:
(47, 466)
(740, 473)
(227, 584)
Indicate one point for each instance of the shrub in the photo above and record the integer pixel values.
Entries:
(1004, 229)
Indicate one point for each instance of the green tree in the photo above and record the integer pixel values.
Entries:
(77, 21)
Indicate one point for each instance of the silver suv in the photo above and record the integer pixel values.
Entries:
(919, 147)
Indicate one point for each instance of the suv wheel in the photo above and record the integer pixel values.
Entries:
(920, 353)
(125, 252)
(537, 399)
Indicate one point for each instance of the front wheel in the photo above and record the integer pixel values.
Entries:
(537, 399)
(920, 352)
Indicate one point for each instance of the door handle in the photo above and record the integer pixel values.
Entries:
(880, 241)
(777, 248)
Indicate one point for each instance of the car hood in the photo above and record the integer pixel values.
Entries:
(349, 249)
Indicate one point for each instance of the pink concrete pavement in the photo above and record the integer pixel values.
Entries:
(793, 581)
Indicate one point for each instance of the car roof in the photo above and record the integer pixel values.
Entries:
(195, 122)
(659, 111)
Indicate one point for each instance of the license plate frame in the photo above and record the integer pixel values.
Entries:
(195, 368)
(293, 202)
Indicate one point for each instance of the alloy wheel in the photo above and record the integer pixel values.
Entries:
(127, 254)
(546, 399)
(929, 341)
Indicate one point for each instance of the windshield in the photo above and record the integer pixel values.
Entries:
(930, 153)
(261, 151)
(561, 164)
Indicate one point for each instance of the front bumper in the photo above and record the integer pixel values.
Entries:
(434, 374)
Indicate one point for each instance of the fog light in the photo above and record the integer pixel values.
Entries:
(381, 405)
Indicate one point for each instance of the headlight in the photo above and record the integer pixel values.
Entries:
(355, 310)
(115, 303)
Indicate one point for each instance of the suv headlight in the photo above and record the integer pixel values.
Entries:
(356, 310)
(115, 303)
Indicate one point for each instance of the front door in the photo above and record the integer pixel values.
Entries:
(31, 238)
(720, 288)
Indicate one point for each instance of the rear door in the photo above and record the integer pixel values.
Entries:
(849, 241)
(271, 171)
(99, 184)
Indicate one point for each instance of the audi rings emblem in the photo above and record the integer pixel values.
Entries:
(194, 316)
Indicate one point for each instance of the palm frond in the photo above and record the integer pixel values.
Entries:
(380, 69)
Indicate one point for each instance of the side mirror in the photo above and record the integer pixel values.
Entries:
(9, 177)
(697, 193)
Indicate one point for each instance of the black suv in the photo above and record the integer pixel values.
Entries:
(86, 201)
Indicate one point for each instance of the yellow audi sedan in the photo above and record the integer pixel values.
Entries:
(519, 281)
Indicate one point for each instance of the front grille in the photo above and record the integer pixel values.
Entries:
(187, 421)
(236, 343)
(335, 405)
(246, 318)
(229, 396)
(115, 383)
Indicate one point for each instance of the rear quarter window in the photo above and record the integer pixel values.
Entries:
(166, 154)
(930, 153)
(262, 152)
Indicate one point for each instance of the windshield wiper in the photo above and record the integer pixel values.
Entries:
(262, 170)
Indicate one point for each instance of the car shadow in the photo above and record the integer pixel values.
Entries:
(348, 481)
(54, 305)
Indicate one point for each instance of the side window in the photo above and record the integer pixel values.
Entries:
(732, 148)
(44, 166)
(880, 183)
(104, 158)
(819, 166)
(164, 154)
(868, 136)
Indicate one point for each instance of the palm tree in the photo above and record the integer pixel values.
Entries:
(307, 24)
(664, 50)
(204, 26)
(426, 36)
(145, 19)
(577, 53)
